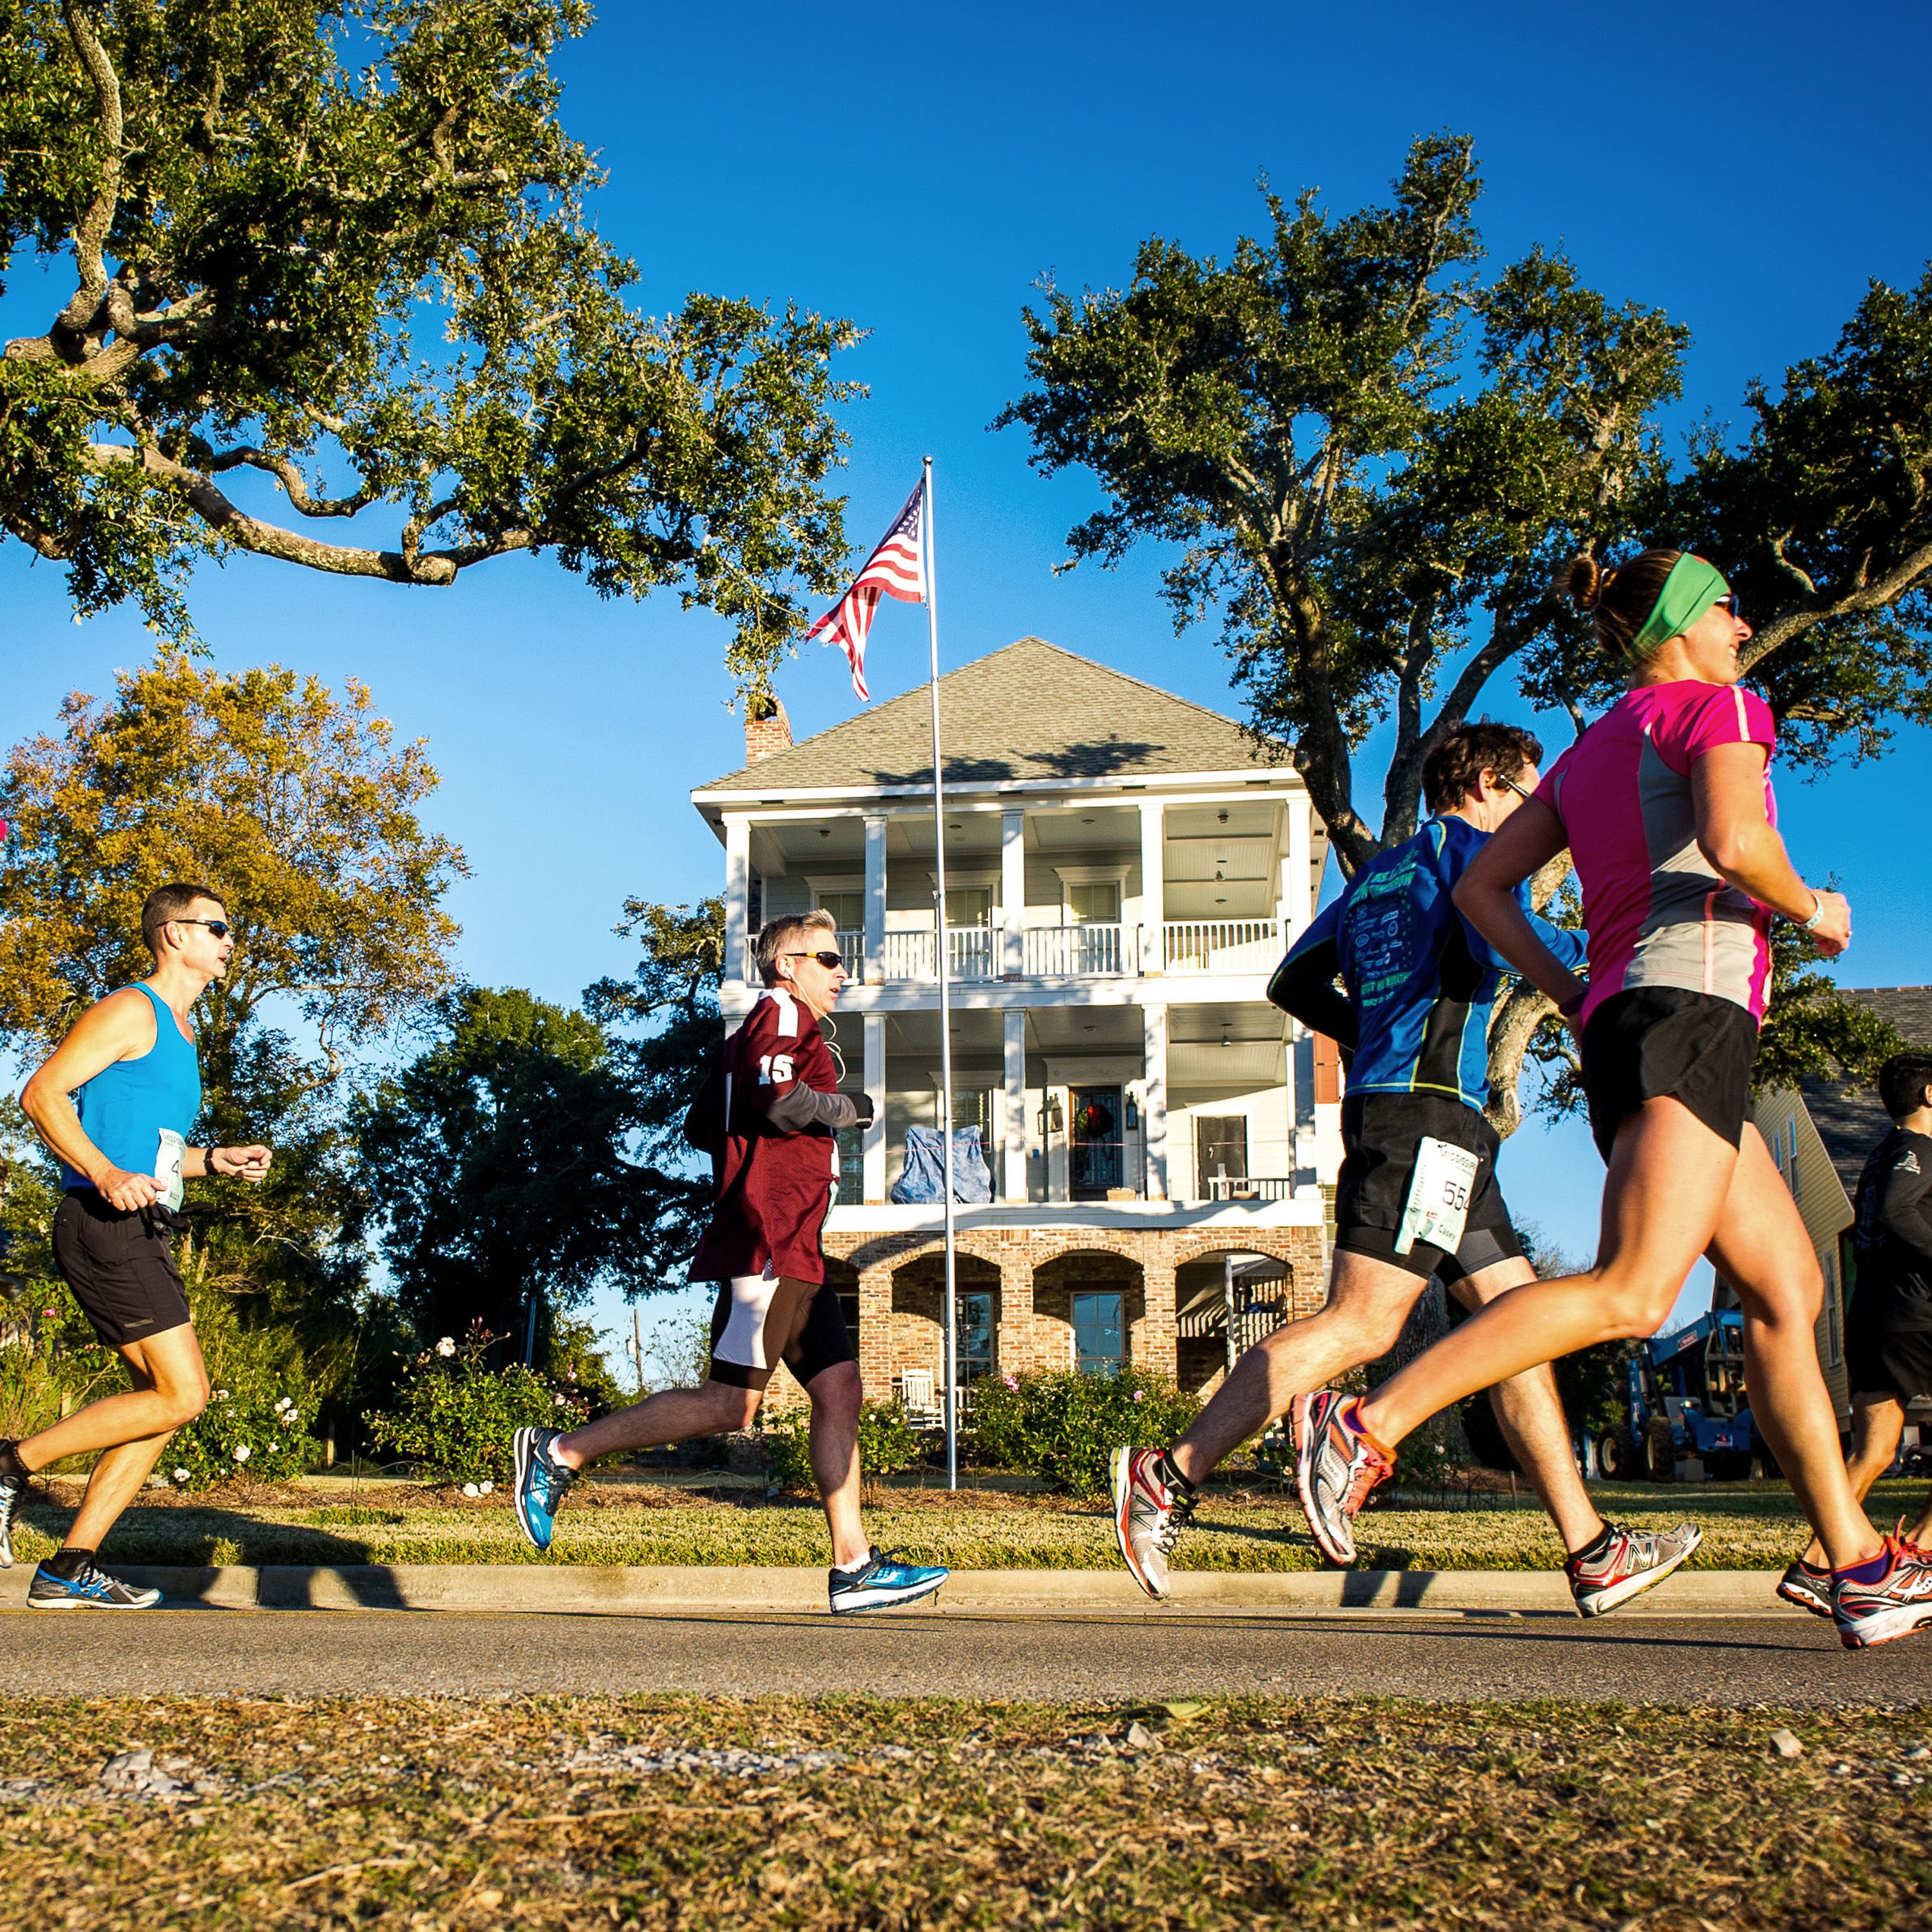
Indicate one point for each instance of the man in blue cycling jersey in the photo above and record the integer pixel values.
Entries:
(1417, 1198)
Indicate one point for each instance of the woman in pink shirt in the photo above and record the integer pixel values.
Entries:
(1665, 805)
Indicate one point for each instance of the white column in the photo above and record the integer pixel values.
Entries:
(1297, 885)
(1153, 887)
(737, 898)
(1153, 1112)
(874, 1146)
(875, 899)
(1013, 895)
(1013, 1143)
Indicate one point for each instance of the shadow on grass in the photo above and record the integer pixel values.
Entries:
(195, 1537)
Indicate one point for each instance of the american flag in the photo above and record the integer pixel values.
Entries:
(893, 570)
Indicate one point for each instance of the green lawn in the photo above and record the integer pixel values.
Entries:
(1747, 1527)
(683, 1815)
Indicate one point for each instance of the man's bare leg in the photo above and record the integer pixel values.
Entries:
(1368, 1302)
(1878, 1424)
(131, 1427)
(1530, 1413)
(836, 1393)
(671, 1415)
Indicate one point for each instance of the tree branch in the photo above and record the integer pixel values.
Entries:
(293, 481)
(76, 321)
(1871, 594)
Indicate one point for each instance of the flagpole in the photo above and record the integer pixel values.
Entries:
(940, 950)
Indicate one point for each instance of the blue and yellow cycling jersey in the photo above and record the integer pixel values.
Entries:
(1420, 978)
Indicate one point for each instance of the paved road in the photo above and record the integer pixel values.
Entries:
(1793, 1662)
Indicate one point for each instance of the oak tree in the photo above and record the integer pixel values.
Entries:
(1371, 459)
(344, 248)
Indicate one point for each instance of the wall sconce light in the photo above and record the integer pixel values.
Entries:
(1052, 1119)
(1133, 1112)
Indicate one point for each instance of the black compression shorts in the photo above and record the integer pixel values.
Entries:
(1380, 1133)
(1660, 1043)
(760, 1320)
(116, 1260)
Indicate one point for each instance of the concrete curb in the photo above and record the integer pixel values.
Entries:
(668, 1591)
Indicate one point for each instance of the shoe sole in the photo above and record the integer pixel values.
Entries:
(1620, 1593)
(86, 1604)
(1304, 1462)
(884, 1599)
(523, 1446)
(1802, 1600)
(1886, 1627)
(1119, 1473)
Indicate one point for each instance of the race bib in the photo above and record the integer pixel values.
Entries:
(168, 1168)
(1438, 1196)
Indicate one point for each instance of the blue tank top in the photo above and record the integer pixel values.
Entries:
(124, 1107)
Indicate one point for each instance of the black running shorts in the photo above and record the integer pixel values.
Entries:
(1662, 1043)
(1880, 1361)
(760, 1320)
(117, 1262)
(1380, 1134)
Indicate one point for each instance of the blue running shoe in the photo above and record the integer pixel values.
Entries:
(89, 1589)
(541, 1485)
(883, 1579)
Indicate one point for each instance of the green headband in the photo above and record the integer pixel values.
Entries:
(1692, 587)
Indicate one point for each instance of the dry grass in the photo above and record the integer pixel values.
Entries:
(1753, 1527)
(599, 1813)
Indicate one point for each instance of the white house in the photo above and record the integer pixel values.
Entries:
(1124, 870)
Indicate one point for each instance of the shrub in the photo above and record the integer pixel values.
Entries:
(254, 1432)
(1064, 1426)
(887, 1443)
(455, 1414)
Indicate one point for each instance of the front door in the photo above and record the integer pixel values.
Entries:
(1221, 1141)
(1098, 1163)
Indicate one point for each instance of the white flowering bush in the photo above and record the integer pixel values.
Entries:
(455, 1414)
(251, 1432)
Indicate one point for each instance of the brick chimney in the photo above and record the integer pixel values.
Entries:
(767, 732)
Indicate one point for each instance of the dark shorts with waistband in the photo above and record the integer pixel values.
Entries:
(1886, 1361)
(760, 1320)
(116, 1260)
(1380, 1133)
(1663, 1042)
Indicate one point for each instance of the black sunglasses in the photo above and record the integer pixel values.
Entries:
(828, 960)
(219, 927)
(1730, 603)
(1513, 786)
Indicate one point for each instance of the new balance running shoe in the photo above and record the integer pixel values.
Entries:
(1809, 1589)
(541, 1485)
(1629, 1562)
(883, 1579)
(1898, 1604)
(12, 1488)
(1335, 1467)
(88, 1588)
(1152, 1503)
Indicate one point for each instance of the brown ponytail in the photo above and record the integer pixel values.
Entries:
(1620, 598)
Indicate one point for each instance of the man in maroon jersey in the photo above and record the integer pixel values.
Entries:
(768, 1117)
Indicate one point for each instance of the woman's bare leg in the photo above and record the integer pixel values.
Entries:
(1761, 1248)
(1878, 1422)
(1669, 1177)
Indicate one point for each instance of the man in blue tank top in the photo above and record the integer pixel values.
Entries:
(116, 1102)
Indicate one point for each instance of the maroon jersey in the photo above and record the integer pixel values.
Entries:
(774, 1175)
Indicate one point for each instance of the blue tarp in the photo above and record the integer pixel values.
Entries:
(923, 1180)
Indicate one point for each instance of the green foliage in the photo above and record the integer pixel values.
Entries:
(498, 1165)
(270, 209)
(1813, 1031)
(1064, 1426)
(887, 1443)
(454, 1414)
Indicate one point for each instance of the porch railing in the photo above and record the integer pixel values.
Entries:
(1251, 1187)
(972, 952)
(1096, 948)
(1222, 945)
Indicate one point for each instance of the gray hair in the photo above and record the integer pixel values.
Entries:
(776, 936)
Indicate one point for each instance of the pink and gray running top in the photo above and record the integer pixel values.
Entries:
(1658, 913)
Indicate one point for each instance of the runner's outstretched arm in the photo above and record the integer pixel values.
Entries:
(1486, 897)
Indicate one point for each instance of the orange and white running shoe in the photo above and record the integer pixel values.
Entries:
(1631, 1561)
(1152, 1503)
(1335, 1467)
(1898, 1604)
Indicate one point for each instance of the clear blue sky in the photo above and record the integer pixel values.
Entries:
(1747, 167)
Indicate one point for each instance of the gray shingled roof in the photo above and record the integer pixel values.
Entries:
(1031, 711)
(1848, 1116)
